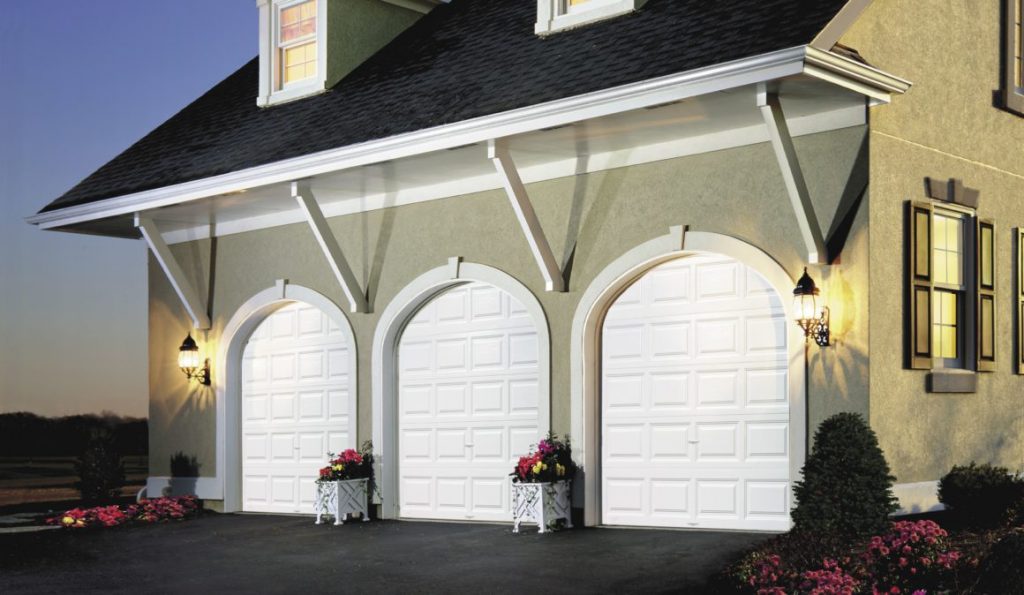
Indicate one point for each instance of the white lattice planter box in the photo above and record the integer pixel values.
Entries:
(342, 498)
(541, 503)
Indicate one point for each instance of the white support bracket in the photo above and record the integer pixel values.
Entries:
(329, 244)
(186, 293)
(497, 151)
(792, 175)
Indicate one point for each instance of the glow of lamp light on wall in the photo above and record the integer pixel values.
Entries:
(191, 363)
(813, 321)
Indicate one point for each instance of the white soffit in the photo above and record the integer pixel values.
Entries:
(691, 113)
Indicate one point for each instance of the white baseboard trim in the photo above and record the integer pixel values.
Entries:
(916, 498)
(207, 488)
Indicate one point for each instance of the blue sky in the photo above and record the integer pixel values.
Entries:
(79, 83)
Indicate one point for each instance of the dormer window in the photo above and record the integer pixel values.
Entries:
(296, 42)
(556, 15)
(292, 44)
(309, 46)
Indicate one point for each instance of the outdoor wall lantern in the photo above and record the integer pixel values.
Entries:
(813, 321)
(193, 366)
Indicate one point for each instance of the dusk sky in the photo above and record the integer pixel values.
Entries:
(81, 81)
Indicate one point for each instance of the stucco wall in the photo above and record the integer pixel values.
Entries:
(945, 127)
(738, 192)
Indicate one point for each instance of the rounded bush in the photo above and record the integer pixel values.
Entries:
(100, 469)
(1001, 570)
(846, 487)
(981, 495)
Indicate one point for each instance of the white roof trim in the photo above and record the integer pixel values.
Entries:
(738, 73)
(844, 19)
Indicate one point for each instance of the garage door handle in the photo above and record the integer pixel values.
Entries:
(694, 441)
(469, 446)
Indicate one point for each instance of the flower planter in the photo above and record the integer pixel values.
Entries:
(541, 503)
(342, 498)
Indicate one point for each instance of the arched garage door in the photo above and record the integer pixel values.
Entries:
(295, 407)
(694, 403)
(468, 404)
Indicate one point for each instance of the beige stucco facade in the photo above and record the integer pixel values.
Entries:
(737, 192)
(947, 126)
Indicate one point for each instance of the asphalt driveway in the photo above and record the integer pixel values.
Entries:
(279, 554)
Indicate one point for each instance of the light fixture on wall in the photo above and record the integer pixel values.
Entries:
(193, 366)
(813, 321)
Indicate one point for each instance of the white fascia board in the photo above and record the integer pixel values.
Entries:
(844, 19)
(702, 81)
(853, 75)
(606, 102)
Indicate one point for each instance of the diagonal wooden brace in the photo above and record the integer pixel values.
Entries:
(497, 151)
(792, 175)
(329, 244)
(186, 292)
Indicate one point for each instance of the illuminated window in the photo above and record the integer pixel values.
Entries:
(948, 279)
(297, 43)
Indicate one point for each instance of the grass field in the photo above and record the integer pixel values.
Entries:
(52, 479)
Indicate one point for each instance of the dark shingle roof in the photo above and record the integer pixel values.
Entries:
(466, 59)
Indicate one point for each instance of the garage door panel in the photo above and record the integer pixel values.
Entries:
(451, 399)
(670, 442)
(295, 407)
(767, 440)
(670, 498)
(718, 388)
(767, 499)
(457, 450)
(669, 391)
(767, 388)
(524, 397)
(694, 401)
(718, 497)
(488, 397)
(489, 496)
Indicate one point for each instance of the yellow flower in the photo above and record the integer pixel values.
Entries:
(338, 468)
(539, 466)
(560, 469)
(68, 520)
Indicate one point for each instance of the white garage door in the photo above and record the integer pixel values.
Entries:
(295, 407)
(468, 404)
(695, 411)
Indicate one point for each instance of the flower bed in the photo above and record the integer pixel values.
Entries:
(912, 557)
(155, 510)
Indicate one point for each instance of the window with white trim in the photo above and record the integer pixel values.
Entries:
(556, 15)
(950, 288)
(292, 43)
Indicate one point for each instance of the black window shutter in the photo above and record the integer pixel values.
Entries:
(986, 299)
(919, 285)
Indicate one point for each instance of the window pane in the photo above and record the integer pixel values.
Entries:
(986, 256)
(299, 62)
(298, 21)
(947, 249)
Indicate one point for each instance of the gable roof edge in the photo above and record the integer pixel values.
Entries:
(646, 93)
(839, 24)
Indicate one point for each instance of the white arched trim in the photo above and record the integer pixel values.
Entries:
(585, 356)
(229, 387)
(392, 323)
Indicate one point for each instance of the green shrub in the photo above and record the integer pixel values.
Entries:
(100, 469)
(1002, 570)
(846, 487)
(982, 496)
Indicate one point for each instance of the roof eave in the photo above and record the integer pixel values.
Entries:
(757, 69)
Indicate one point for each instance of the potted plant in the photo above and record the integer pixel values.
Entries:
(343, 487)
(541, 485)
